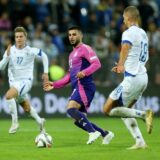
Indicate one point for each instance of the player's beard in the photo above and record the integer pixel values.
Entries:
(76, 43)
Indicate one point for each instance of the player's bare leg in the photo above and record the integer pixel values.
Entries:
(109, 104)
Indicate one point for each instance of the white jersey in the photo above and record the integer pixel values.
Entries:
(138, 54)
(21, 63)
(20, 68)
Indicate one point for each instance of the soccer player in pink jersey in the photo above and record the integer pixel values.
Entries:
(83, 62)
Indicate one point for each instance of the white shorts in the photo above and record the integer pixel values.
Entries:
(23, 87)
(131, 88)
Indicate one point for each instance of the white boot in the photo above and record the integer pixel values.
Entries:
(108, 138)
(138, 145)
(14, 127)
(93, 136)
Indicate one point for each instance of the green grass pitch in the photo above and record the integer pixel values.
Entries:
(69, 142)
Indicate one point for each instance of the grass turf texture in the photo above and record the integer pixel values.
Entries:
(69, 142)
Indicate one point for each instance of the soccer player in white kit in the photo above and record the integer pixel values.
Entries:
(20, 59)
(133, 57)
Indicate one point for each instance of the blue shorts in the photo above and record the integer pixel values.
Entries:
(83, 96)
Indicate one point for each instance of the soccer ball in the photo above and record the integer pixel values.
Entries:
(43, 140)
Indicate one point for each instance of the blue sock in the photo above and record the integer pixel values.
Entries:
(79, 125)
(81, 118)
(103, 133)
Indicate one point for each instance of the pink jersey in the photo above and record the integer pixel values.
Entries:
(84, 59)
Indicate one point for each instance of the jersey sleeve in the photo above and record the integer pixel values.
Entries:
(36, 51)
(40, 54)
(62, 82)
(45, 62)
(127, 38)
(92, 58)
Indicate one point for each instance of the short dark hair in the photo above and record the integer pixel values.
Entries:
(75, 28)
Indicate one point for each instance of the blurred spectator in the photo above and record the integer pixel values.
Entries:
(112, 78)
(63, 15)
(80, 14)
(6, 6)
(50, 49)
(146, 12)
(5, 23)
(101, 44)
(29, 26)
(56, 38)
(42, 11)
(38, 37)
(93, 23)
(84, 8)
(104, 13)
(38, 42)
(28, 10)
(47, 23)
(154, 36)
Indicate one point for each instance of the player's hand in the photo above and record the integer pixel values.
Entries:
(118, 68)
(114, 69)
(47, 85)
(8, 49)
(80, 75)
(45, 77)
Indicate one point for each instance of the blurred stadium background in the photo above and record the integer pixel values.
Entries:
(101, 20)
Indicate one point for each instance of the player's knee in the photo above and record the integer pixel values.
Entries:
(26, 107)
(106, 111)
(11, 93)
(8, 96)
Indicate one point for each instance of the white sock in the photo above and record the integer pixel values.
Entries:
(132, 126)
(34, 114)
(13, 109)
(127, 112)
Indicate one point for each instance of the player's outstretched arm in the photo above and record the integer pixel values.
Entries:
(45, 67)
(45, 77)
(5, 60)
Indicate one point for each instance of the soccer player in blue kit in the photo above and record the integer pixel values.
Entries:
(83, 62)
(133, 57)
